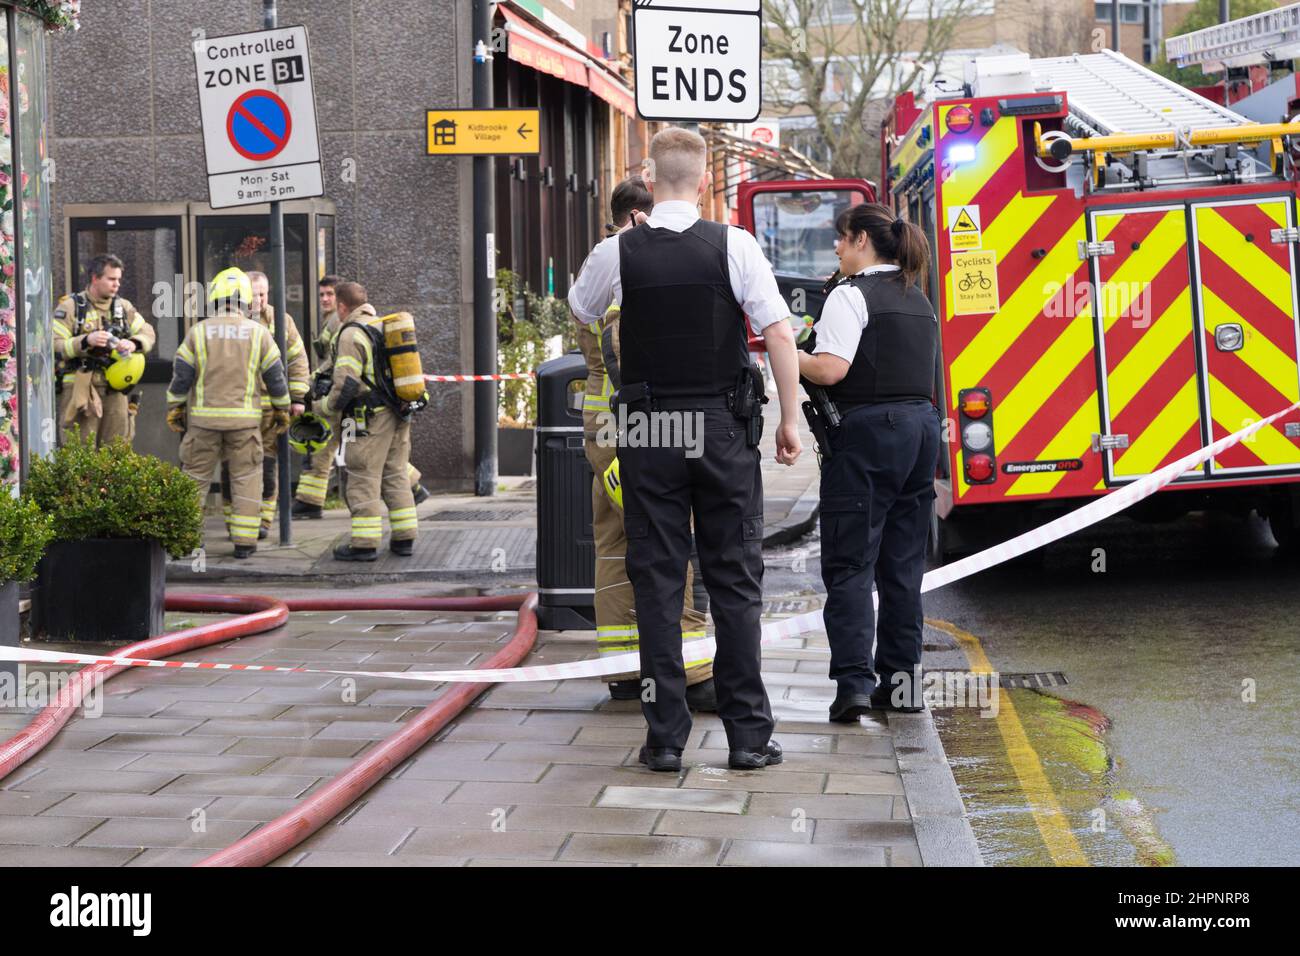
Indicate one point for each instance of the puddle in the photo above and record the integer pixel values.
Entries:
(1110, 825)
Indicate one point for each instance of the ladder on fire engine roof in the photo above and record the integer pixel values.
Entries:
(1109, 94)
(1271, 35)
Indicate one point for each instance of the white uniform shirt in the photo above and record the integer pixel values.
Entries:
(599, 282)
(843, 318)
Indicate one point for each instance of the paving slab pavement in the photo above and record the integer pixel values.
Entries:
(530, 774)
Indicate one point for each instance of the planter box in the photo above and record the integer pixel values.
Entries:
(515, 451)
(9, 629)
(100, 591)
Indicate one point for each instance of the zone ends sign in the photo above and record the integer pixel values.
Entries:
(698, 60)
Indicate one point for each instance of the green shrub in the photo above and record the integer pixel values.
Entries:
(25, 530)
(521, 342)
(112, 492)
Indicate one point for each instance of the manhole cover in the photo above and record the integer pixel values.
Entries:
(483, 514)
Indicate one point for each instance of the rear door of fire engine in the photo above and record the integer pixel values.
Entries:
(1245, 263)
(1196, 323)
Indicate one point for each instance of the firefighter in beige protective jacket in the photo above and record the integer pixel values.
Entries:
(86, 325)
(376, 455)
(222, 369)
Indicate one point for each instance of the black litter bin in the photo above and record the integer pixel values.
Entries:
(566, 552)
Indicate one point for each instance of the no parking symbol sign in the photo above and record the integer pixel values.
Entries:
(259, 117)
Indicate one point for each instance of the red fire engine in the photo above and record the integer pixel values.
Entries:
(1113, 270)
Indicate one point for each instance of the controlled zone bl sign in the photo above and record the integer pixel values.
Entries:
(259, 117)
(698, 60)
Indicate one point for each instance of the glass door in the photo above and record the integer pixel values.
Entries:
(150, 246)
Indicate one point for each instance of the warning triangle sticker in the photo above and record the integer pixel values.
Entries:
(964, 222)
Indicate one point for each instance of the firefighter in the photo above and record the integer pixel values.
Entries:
(89, 328)
(361, 392)
(685, 286)
(616, 631)
(299, 372)
(874, 351)
(313, 484)
(222, 369)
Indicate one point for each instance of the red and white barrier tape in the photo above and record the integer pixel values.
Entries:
(775, 633)
(503, 377)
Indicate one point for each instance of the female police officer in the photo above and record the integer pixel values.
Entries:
(875, 353)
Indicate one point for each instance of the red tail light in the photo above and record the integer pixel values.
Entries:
(979, 467)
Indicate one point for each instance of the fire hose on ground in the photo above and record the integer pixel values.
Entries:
(259, 614)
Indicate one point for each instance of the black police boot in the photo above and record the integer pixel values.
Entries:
(345, 552)
(847, 708)
(703, 697)
(402, 548)
(742, 758)
(662, 759)
(302, 509)
(244, 550)
(420, 493)
(629, 689)
(882, 699)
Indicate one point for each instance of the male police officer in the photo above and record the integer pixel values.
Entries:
(221, 370)
(313, 484)
(85, 327)
(376, 458)
(616, 627)
(685, 286)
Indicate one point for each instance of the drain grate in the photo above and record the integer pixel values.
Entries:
(482, 514)
(1041, 679)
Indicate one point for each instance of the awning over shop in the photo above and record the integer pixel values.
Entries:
(539, 53)
(611, 91)
(553, 57)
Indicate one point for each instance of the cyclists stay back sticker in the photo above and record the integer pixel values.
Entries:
(974, 282)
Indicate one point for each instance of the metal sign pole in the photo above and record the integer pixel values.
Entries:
(278, 303)
(485, 319)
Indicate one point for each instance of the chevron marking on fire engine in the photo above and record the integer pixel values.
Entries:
(1156, 346)
(1271, 364)
(1268, 445)
(1150, 449)
(1018, 310)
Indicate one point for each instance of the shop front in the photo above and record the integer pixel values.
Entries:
(27, 425)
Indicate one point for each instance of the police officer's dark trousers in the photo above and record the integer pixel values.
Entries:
(877, 493)
(723, 488)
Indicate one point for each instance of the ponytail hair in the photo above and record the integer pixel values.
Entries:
(894, 240)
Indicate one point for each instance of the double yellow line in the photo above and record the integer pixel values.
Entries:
(1048, 815)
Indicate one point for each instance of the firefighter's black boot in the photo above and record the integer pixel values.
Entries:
(302, 509)
(345, 552)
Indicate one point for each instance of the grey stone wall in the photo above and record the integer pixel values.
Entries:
(125, 128)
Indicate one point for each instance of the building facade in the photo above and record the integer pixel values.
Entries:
(127, 144)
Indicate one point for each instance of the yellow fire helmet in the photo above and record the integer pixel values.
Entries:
(124, 372)
(613, 487)
(230, 284)
(309, 433)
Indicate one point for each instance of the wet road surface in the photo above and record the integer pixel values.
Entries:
(1177, 738)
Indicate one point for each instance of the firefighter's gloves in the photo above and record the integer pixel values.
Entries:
(279, 421)
(176, 418)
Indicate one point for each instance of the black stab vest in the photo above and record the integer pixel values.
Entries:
(896, 354)
(681, 329)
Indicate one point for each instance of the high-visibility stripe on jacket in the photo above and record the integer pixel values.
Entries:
(223, 368)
